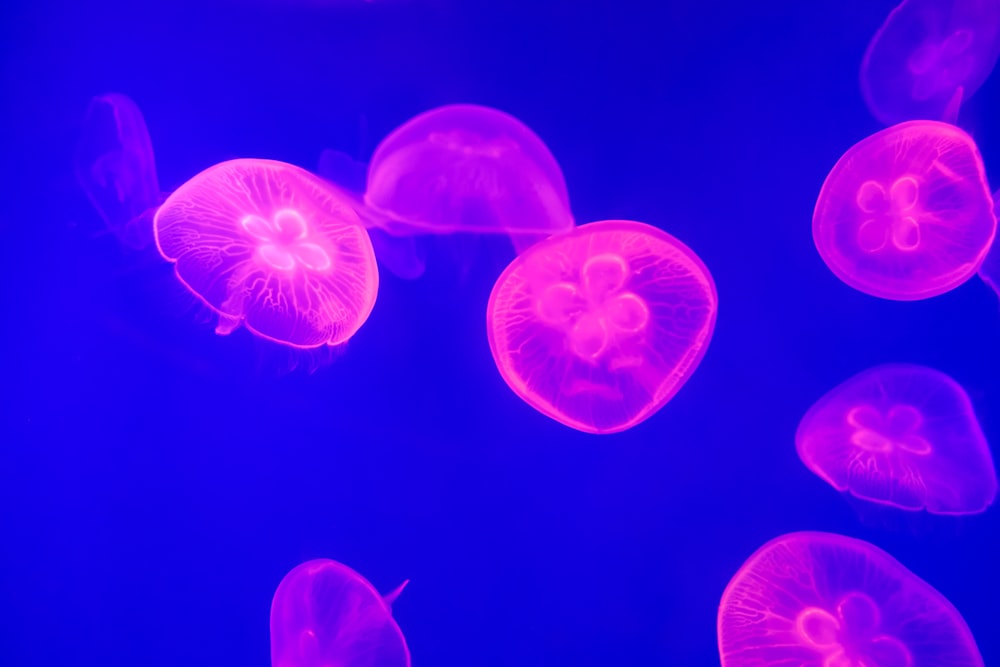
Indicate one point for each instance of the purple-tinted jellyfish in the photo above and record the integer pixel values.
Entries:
(325, 614)
(467, 168)
(928, 57)
(900, 435)
(269, 245)
(600, 327)
(824, 600)
(906, 213)
(116, 169)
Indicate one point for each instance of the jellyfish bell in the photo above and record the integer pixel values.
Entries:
(468, 169)
(929, 57)
(902, 436)
(325, 613)
(906, 213)
(600, 327)
(271, 247)
(815, 598)
(116, 169)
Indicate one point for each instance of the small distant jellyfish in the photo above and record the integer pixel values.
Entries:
(270, 246)
(823, 600)
(901, 435)
(600, 327)
(324, 614)
(929, 57)
(116, 168)
(468, 168)
(906, 213)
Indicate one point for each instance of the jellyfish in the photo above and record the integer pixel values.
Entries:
(600, 327)
(929, 57)
(270, 246)
(464, 169)
(906, 213)
(900, 435)
(325, 614)
(822, 600)
(116, 169)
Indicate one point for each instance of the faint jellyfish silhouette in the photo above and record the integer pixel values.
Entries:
(825, 600)
(271, 246)
(600, 327)
(929, 57)
(465, 169)
(990, 269)
(468, 168)
(400, 255)
(325, 614)
(906, 213)
(900, 435)
(116, 169)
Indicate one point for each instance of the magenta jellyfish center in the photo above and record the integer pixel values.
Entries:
(851, 635)
(283, 241)
(890, 215)
(897, 429)
(940, 66)
(597, 310)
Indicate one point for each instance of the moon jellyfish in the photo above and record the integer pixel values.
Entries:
(825, 600)
(900, 435)
(906, 213)
(467, 168)
(928, 57)
(270, 246)
(600, 327)
(326, 614)
(116, 169)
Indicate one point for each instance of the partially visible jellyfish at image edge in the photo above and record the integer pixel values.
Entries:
(823, 600)
(599, 328)
(456, 169)
(116, 169)
(929, 57)
(900, 435)
(990, 269)
(906, 213)
(268, 245)
(325, 614)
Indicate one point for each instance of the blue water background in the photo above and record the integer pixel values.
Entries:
(157, 481)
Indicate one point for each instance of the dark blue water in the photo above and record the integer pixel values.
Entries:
(157, 481)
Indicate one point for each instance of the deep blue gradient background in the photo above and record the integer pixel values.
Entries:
(156, 484)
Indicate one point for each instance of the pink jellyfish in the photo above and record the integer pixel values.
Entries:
(600, 327)
(116, 169)
(271, 246)
(906, 213)
(900, 435)
(464, 169)
(928, 57)
(325, 614)
(824, 600)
